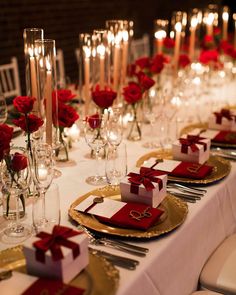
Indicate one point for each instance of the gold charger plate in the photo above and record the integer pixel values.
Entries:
(204, 126)
(221, 167)
(99, 277)
(175, 212)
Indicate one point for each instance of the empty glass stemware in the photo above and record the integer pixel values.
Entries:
(95, 137)
(43, 173)
(114, 126)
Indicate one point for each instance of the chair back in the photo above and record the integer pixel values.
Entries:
(139, 47)
(61, 76)
(9, 79)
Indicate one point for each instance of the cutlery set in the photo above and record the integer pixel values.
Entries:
(117, 260)
(187, 193)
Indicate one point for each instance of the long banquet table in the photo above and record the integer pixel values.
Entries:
(175, 260)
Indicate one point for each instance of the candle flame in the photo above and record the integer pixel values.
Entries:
(101, 50)
(125, 36)
(160, 34)
(31, 52)
(210, 19)
(48, 65)
(172, 34)
(178, 27)
(225, 16)
(194, 22)
(87, 51)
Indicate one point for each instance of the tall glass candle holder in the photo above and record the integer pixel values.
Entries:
(101, 62)
(47, 81)
(87, 54)
(160, 33)
(210, 19)
(30, 35)
(225, 22)
(115, 28)
(234, 19)
(193, 27)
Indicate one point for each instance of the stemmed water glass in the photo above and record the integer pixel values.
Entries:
(16, 178)
(114, 127)
(43, 173)
(95, 137)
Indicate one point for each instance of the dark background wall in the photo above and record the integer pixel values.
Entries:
(63, 20)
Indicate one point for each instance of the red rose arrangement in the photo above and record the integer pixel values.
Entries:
(103, 98)
(27, 122)
(67, 115)
(14, 163)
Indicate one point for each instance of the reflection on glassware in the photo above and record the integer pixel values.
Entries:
(114, 127)
(95, 137)
(16, 183)
(3, 109)
(52, 208)
(43, 173)
(116, 164)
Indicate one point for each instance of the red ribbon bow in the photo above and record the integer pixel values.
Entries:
(191, 141)
(224, 114)
(54, 241)
(146, 177)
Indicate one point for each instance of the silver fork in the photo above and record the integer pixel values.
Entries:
(106, 242)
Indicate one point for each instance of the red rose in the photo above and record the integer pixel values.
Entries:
(63, 95)
(208, 42)
(66, 115)
(6, 133)
(169, 42)
(33, 123)
(103, 98)
(94, 121)
(207, 56)
(132, 93)
(157, 63)
(184, 60)
(143, 62)
(24, 104)
(19, 162)
(216, 31)
(145, 81)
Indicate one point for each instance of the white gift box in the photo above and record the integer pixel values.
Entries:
(66, 268)
(225, 123)
(200, 156)
(152, 198)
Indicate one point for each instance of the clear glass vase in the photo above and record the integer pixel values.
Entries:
(9, 205)
(135, 133)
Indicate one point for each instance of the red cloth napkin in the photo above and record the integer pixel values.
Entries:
(134, 215)
(190, 170)
(46, 286)
(225, 137)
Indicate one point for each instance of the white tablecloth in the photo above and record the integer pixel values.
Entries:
(175, 260)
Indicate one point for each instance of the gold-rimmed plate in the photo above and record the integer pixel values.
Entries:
(204, 127)
(221, 167)
(175, 212)
(99, 277)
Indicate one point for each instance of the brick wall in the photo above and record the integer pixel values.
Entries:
(63, 20)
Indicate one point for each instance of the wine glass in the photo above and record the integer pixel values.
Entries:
(116, 164)
(114, 127)
(16, 178)
(43, 173)
(3, 109)
(95, 137)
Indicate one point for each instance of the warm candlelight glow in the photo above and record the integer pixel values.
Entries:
(73, 132)
(101, 50)
(125, 36)
(178, 27)
(42, 172)
(225, 16)
(48, 94)
(160, 34)
(194, 22)
(234, 18)
(209, 23)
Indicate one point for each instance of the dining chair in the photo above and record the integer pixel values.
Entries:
(9, 79)
(219, 272)
(139, 47)
(60, 66)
